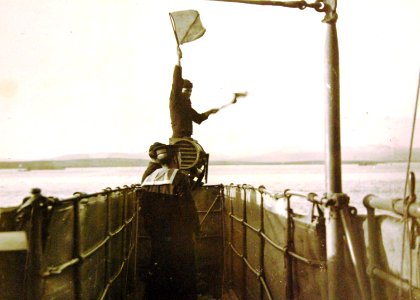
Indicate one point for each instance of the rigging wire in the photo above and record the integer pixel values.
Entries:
(406, 202)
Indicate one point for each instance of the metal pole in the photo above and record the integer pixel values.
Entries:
(135, 233)
(77, 250)
(244, 244)
(334, 255)
(108, 260)
(373, 254)
(262, 244)
(231, 256)
(125, 249)
(394, 205)
(36, 248)
(332, 86)
(332, 151)
(355, 254)
(290, 247)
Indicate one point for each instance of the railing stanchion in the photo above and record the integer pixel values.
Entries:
(288, 259)
(262, 245)
(231, 235)
(356, 256)
(108, 244)
(372, 251)
(244, 244)
(36, 251)
(124, 252)
(77, 250)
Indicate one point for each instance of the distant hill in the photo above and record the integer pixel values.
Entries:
(73, 163)
(366, 154)
(349, 155)
(380, 153)
(103, 156)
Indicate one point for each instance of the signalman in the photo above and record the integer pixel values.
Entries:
(187, 27)
(182, 113)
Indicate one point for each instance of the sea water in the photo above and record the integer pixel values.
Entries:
(385, 180)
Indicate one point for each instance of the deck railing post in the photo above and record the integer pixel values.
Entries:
(124, 247)
(244, 243)
(135, 236)
(372, 253)
(355, 254)
(77, 249)
(36, 250)
(108, 244)
(262, 243)
(288, 259)
(231, 233)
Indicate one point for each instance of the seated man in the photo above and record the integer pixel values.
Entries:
(171, 219)
(153, 164)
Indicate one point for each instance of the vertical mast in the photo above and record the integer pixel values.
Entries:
(338, 221)
(333, 184)
(332, 122)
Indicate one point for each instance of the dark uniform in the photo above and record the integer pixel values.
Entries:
(170, 217)
(182, 113)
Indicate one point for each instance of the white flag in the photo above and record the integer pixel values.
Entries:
(187, 25)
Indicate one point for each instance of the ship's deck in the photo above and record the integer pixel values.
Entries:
(252, 246)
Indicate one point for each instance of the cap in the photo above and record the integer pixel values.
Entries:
(187, 84)
(152, 149)
(35, 191)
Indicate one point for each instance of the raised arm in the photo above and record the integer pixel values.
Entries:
(177, 83)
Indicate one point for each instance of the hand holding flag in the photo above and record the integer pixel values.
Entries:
(235, 99)
(187, 27)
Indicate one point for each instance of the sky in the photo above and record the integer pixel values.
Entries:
(86, 77)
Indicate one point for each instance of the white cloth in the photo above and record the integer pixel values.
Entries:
(160, 177)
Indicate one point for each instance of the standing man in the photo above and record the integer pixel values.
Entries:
(171, 219)
(187, 27)
(182, 113)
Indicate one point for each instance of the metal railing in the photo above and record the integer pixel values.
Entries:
(378, 269)
(240, 203)
(83, 247)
